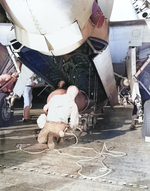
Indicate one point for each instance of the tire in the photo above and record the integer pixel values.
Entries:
(6, 113)
(146, 120)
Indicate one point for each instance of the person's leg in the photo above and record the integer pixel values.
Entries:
(27, 112)
(55, 129)
(134, 117)
(58, 132)
(27, 102)
(50, 141)
(42, 137)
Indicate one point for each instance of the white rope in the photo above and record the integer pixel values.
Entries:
(34, 153)
(21, 146)
(11, 151)
(101, 154)
(98, 155)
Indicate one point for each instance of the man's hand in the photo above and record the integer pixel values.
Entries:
(45, 108)
(72, 128)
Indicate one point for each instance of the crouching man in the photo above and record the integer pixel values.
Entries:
(60, 109)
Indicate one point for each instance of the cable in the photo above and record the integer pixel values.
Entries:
(34, 153)
(5, 152)
(98, 155)
(21, 146)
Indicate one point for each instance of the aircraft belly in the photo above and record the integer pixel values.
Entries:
(33, 41)
(62, 42)
(46, 16)
(104, 68)
(65, 37)
(54, 27)
(62, 39)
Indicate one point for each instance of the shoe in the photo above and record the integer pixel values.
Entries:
(132, 127)
(27, 121)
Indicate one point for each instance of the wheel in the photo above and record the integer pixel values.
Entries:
(146, 120)
(6, 113)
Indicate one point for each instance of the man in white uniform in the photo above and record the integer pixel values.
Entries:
(60, 109)
(27, 95)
